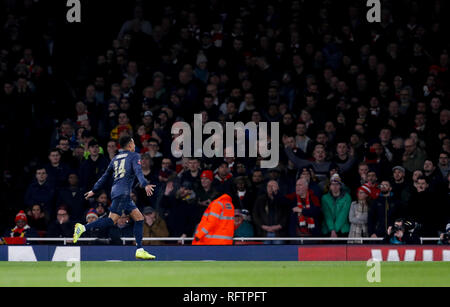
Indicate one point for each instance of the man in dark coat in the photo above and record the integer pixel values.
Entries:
(271, 213)
(56, 170)
(383, 211)
(93, 167)
(62, 227)
(426, 208)
(41, 191)
(72, 197)
(180, 210)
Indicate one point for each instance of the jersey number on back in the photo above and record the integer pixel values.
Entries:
(119, 169)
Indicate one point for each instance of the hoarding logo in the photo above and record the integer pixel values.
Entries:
(374, 274)
(374, 14)
(74, 13)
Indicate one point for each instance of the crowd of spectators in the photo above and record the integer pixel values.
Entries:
(363, 111)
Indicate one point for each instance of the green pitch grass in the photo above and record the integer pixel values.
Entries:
(221, 273)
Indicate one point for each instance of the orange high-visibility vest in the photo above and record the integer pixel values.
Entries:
(217, 224)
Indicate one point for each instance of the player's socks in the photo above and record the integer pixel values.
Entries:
(137, 229)
(100, 223)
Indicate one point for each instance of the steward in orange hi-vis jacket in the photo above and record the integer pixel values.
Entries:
(217, 224)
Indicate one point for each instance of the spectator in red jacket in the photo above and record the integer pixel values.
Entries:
(21, 229)
(373, 184)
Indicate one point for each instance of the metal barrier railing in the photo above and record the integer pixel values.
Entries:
(182, 239)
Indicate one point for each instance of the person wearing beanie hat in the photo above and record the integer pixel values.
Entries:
(335, 207)
(206, 192)
(22, 229)
(400, 168)
(242, 225)
(336, 179)
(400, 186)
(201, 70)
(324, 185)
(444, 237)
(154, 226)
(201, 58)
(21, 217)
(364, 189)
(358, 215)
(91, 216)
(207, 174)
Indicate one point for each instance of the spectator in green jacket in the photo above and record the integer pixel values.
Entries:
(335, 207)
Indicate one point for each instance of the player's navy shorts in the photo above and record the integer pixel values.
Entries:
(122, 204)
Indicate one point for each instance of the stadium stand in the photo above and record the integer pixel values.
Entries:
(363, 110)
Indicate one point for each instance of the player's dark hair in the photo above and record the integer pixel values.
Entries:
(124, 141)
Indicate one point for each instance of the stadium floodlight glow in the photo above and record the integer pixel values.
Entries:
(259, 141)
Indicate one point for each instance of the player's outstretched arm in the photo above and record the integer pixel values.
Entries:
(102, 181)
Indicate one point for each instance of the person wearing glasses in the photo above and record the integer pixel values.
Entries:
(413, 157)
(62, 227)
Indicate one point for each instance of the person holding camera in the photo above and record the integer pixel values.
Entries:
(403, 232)
(444, 237)
(395, 233)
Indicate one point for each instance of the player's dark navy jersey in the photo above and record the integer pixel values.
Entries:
(123, 168)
